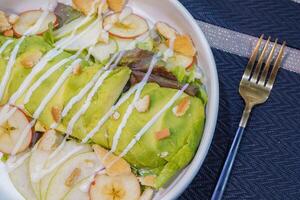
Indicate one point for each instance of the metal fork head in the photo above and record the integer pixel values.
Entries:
(257, 81)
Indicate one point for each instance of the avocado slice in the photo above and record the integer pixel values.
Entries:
(146, 155)
(31, 45)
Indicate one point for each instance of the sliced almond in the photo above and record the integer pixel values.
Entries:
(9, 33)
(114, 166)
(147, 180)
(165, 30)
(84, 6)
(183, 44)
(142, 105)
(31, 59)
(77, 69)
(116, 5)
(4, 23)
(73, 177)
(147, 194)
(56, 113)
(182, 107)
(13, 18)
(160, 135)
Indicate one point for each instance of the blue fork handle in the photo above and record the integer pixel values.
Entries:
(219, 190)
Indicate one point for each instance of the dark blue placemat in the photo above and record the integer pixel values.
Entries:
(268, 162)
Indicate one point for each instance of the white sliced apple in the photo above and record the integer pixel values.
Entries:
(69, 146)
(72, 172)
(165, 30)
(21, 180)
(12, 129)
(29, 18)
(181, 60)
(102, 51)
(130, 27)
(124, 187)
(70, 27)
(147, 194)
(83, 39)
(79, 191)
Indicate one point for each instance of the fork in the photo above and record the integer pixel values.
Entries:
(255, 88)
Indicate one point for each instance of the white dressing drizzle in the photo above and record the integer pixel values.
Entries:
(44, 103)
(86, 104)
(85, 186)
(9, 66)
(140, 134)
(131, 107)
(170, 51)
(109, 114)
(5, 45)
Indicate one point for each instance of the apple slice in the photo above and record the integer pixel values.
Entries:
(147, 194)
(102, 51)
(123, 187)
(21, 180)
(29, 18)
(130, 27)
(38, 155)
(12, 129)
(112, 168)
(71, 173)
(124, 44)
(181, 60)
(70, 27)
(83, 39)
(165, 30)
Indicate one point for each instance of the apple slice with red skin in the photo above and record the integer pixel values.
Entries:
(129, 28)
(29, 18)
(11, 130)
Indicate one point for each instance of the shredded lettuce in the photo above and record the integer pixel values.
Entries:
(48, 35)
(182, 75)
(146, 45)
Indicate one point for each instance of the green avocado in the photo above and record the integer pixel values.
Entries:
(30, 45)
(161, 157)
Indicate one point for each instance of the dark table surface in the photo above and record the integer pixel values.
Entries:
(268, 162)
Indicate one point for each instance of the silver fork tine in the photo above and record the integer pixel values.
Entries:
(276, 67)
(252, 59)
(260, 62)
(267, 66)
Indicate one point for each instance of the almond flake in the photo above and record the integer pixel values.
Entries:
(56, 113)
(77, 69)
(147, 180)
(183, 44)
(31, 59)
(4, 24)
(12, 19)
(165, 30)
(116, 115)
(182, 107)
(160, 135)
(8, 33)
(116, 5)
(73, 177)
(142, 105)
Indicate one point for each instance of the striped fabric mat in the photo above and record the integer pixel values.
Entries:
(268, 163)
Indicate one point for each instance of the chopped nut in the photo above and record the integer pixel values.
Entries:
(73, 177)
(162, 134)
(116, 5)
(77, 69)
(116, 115)
(143, 104)
(31, 59)
(12, 19)
(182, 107)
(147, 180)
(4, 24)
(183, 44)
(165, 30)
(8, 33)
(56, 113)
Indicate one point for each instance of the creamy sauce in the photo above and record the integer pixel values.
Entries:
(5, 45)
(131, 107)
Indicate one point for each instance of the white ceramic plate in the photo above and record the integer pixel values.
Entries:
(175, 14)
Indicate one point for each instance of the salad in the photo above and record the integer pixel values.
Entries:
(97, 102)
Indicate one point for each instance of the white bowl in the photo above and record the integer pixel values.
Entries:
(172, 12)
